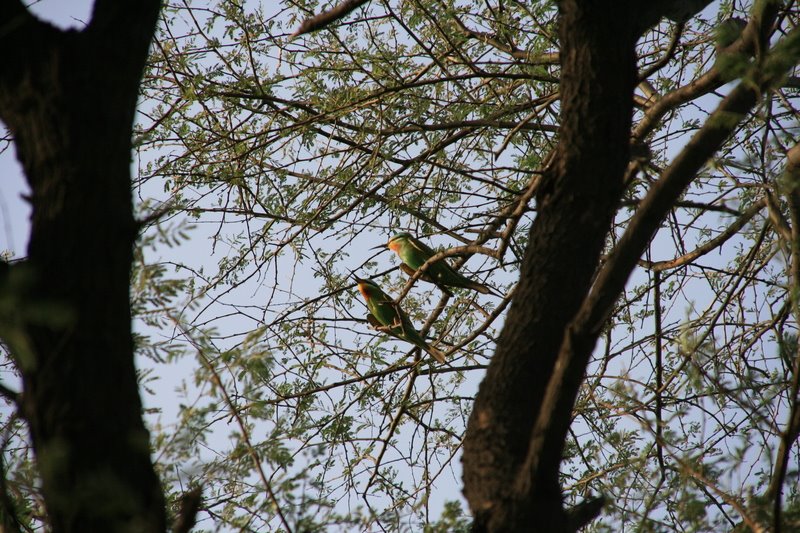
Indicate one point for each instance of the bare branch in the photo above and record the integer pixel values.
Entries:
(667, 57)
(326, 18)
(730, 231)
(187, 516)
(548, 58)
(792, 431)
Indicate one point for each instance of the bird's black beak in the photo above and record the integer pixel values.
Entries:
(379, 246)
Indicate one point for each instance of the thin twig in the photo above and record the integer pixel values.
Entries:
(719, 240)
(242, 426)
(662, 62)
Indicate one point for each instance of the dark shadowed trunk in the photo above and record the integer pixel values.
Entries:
(517, 431)
(506, 488)
(69, 99)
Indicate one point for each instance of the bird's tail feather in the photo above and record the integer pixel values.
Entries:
(481, 288)
(437, 354)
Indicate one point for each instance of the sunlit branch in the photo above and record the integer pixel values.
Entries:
(791, 181)
(328, 17)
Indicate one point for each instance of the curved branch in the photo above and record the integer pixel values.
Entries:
(662, 62)
(792, 431)
(747, 43)
(547, 438)
(733, 229)
(328, 17)
(546, 58)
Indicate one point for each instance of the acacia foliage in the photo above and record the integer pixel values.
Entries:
(294, 157)
(268, 167)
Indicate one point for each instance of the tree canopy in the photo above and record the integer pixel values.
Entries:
(268, 166)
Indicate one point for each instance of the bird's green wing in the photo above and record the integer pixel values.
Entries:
(399, 325)
(374, 322)
(422, 247)
(402, 319)
(410, 272)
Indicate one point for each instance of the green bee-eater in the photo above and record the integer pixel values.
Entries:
(414, 253)
(385, 315)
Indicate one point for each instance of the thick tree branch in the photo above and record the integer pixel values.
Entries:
(9, 394)
(20, 30)
(583, 513)
(576, 199)
(551, 427)
(327, 18)
(746, 44)
(647, 14)
(187, 515)
(791, 183)
(115, 15)
(14, 16)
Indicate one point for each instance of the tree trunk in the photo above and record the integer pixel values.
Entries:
(576, 202)
(516, 433)
(69, 99)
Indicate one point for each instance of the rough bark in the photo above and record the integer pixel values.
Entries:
(575, 206)
(69, 99)
(515, 437)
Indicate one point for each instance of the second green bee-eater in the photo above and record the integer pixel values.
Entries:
(385, 315)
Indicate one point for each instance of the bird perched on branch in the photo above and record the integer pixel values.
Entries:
(413, 253)
(387, 316)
